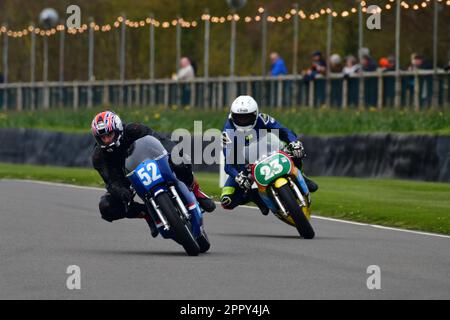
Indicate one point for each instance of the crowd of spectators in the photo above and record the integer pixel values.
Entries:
(349, 65)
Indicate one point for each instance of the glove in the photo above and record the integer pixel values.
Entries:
(296, 149)
(243, 181)
(125, 195)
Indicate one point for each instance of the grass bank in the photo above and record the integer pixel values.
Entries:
(405, 204)
(323, 121)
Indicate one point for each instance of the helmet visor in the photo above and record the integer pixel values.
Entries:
(107, 139)
(244, 119)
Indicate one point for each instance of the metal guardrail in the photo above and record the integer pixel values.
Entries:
(379, 89)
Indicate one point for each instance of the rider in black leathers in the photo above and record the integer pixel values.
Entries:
(109, 160)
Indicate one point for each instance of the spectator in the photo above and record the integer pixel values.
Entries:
(383, 63)
(447, 66)
(418, 62)
(186, 71)
(368, 64)
(319, 66)
(277, 65)
(370, 83)
(411, 65)
(424, 84)
(194, 66)
(387, 64)
(391, 65)
(335, 63)
(363, 52)
(351, 66)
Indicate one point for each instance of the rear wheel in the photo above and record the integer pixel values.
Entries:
(180, 229)
(290, 202)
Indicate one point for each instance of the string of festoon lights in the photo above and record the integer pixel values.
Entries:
(213, 19)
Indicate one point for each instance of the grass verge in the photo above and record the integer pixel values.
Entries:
(322, 121)
(397, 203)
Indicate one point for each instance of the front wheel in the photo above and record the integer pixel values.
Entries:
(289, 201)
(203, 242)
(179, 228)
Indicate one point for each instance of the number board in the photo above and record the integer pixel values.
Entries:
(271, 168)
(148, 173)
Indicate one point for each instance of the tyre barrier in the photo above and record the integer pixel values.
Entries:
(405, 156)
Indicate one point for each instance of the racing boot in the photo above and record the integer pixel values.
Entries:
(153, 229)
(256, 198)
(312, 186)
(205, 202)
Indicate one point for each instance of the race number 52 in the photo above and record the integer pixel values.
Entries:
(149, 174)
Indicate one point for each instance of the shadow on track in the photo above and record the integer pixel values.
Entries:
(143, 253)
(253, 235)
(131, 252)
(274, 236)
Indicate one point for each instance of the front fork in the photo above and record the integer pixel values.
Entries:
(163, 222)
(180, 205)
(282, 181)
(188, 206)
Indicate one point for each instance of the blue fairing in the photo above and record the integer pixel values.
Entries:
(152, 176)
(149, 174)
(194, 209)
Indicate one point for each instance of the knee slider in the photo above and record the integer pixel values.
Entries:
(104, 205)
(226, 199)
(105, 210)
(226, 202)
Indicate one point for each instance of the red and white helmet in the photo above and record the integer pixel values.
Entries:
(104, 123)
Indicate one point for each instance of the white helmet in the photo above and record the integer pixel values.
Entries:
(244, 113)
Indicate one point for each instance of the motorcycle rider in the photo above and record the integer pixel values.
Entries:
(113, 139)
(243, 117)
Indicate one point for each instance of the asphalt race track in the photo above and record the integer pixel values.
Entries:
(44, 228)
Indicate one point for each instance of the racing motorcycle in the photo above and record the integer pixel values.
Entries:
(170, 204)
(280, 183)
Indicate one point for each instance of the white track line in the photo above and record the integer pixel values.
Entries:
(56, 184)
(249, 207)
(370, 225)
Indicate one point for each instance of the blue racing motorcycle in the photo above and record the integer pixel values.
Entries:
(170, 204)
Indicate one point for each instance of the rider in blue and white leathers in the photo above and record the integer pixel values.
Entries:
(244, 122)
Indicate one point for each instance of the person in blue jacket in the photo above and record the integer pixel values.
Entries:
(277, 67)
(245, 121)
